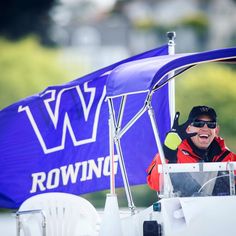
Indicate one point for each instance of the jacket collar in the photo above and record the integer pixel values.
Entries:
(205, 155)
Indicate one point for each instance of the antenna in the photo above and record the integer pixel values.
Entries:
(171, 35)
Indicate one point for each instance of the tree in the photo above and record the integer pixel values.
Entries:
(19, 18)
(28, 68)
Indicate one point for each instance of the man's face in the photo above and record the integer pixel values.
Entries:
(205, 135)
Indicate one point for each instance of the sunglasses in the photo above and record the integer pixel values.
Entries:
(201, 123)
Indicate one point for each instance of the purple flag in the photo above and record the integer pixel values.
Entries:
(58, 140)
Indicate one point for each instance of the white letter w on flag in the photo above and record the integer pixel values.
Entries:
(69, 110)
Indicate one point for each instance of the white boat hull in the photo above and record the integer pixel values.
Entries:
(187, 216)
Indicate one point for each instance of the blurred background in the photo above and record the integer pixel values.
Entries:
(49, 42)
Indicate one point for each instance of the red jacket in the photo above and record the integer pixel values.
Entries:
(186, 154)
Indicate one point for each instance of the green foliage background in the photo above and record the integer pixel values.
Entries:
(28, 68)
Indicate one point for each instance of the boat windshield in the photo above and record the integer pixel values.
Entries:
(194, 180)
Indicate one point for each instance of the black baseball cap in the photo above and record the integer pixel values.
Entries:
(202, 110)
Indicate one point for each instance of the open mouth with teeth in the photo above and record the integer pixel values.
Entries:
(203, 136)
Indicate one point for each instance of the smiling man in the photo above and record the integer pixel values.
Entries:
(203, 143)
(194, 141)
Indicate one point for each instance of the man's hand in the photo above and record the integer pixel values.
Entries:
(177, 133)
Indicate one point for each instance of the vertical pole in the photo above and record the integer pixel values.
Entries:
(171, 51)
(111, 150)
(231, 178)
(168, 190)
(18, 224)
(155, 130)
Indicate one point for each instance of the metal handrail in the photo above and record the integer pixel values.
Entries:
(38, 211)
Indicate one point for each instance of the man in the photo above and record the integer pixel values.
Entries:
(194, 141)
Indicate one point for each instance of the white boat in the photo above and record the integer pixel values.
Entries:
(206, 207)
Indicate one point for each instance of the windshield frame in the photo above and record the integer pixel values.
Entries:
(166, 170)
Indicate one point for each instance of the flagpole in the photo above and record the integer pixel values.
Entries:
(111, 221)
(171, 51)
(112, 168)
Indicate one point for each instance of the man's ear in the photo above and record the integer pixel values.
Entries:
(188, 130)
(217, 130)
